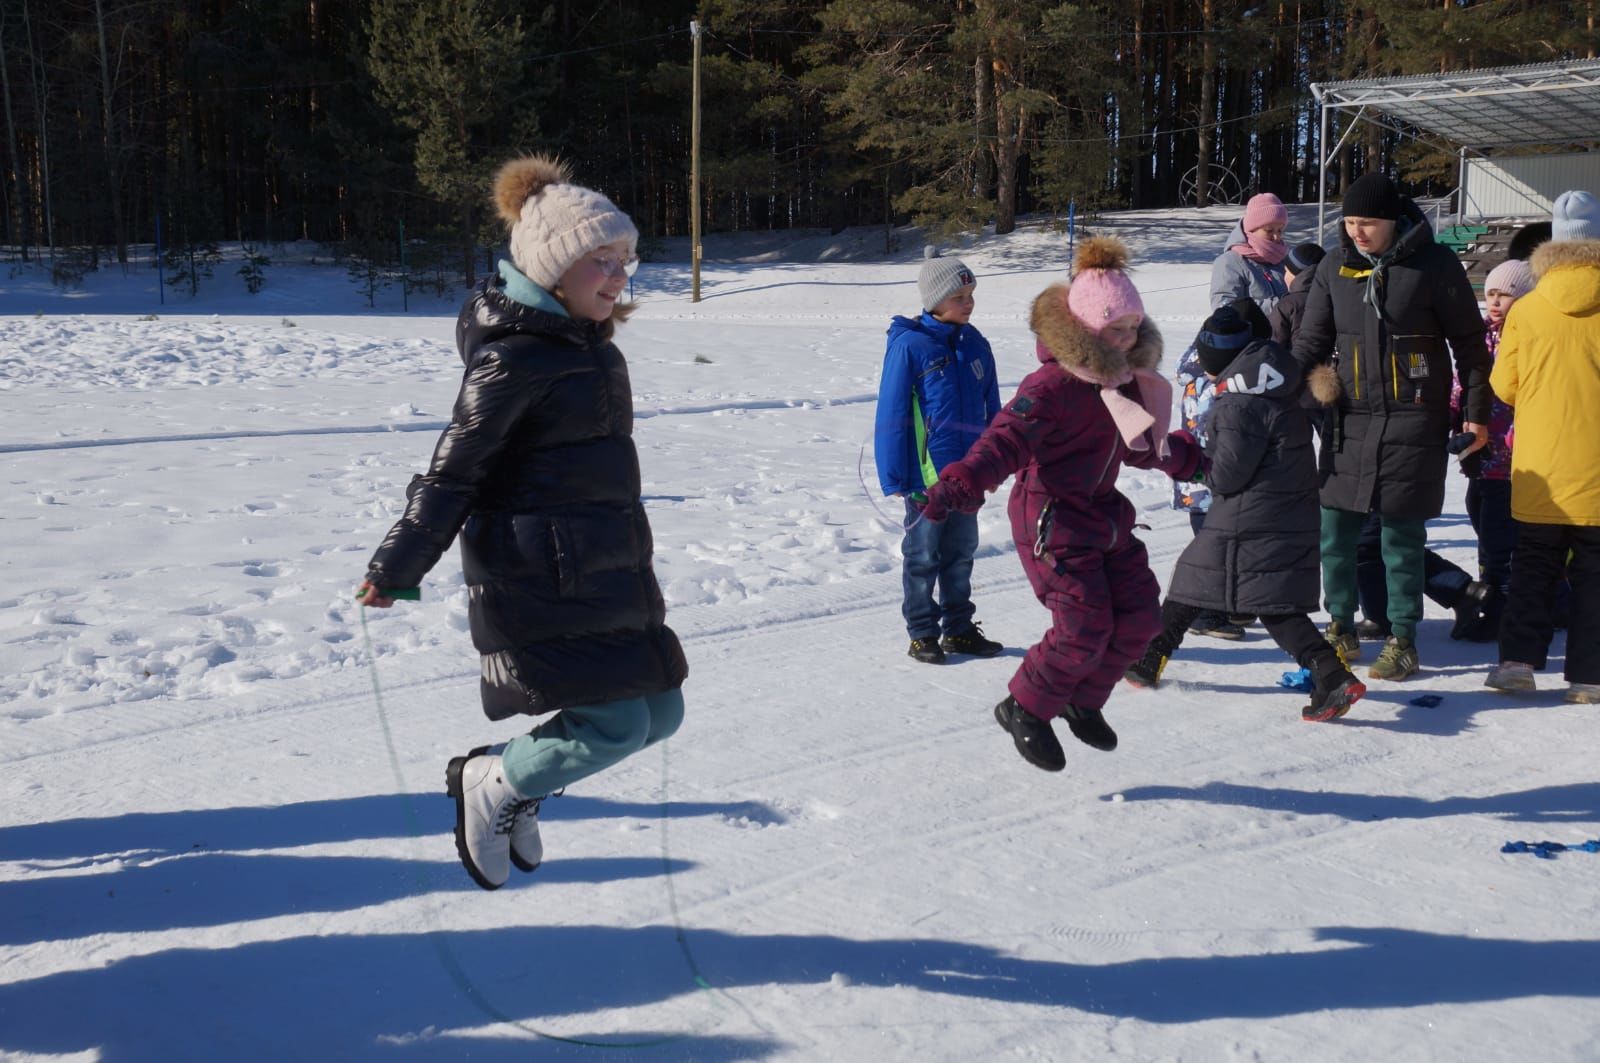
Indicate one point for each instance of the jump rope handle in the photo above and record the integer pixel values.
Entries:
(404, 594)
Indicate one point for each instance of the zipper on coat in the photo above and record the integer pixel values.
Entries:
(1355, 350)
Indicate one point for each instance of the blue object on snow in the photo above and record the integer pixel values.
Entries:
(1548, 850)
(1427, 701)
(1297, 680)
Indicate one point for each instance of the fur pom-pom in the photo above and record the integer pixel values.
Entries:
(1101, 252)
(1323, 383)
(523, 177)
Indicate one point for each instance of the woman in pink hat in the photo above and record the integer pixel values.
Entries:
(1252, 266)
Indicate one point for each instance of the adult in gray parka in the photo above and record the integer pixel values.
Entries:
(1251, 266)
(1257, 552)
(1392, 308)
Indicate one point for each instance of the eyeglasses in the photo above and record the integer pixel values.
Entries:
(613, 266)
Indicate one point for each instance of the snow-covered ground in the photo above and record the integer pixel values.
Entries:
(217, 842)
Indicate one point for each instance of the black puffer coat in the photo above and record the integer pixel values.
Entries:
(1257, 552)
(538, 474)
(1385, 448)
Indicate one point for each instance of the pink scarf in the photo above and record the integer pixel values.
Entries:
(1141, 422)
(1261, 249)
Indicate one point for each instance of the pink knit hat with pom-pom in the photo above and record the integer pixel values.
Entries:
(1101, 292)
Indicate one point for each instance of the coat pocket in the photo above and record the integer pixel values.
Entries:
(1416, 368)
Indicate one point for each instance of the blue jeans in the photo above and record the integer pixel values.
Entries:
(579, 741)
(937, 555)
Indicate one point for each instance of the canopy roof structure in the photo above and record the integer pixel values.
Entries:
(1542, 104)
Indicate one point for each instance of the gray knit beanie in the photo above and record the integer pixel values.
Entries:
(941, 277)
(1576, 217)
(554, 222)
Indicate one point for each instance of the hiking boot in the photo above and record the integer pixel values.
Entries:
(527, 848)
(1089, 727)
(1217, 626)
(1333, 700)
(1032, 736)
(1396, 661)
(1371, 631)
(1146, 671)
(1471, 609)
(972, 643)
(487, 808)
(1344, 642)
(1241, 619)
(1583, 694)
(1512, 677)
(926, 650)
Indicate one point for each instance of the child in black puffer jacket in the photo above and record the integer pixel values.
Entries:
(1257, 552)
(538, 475)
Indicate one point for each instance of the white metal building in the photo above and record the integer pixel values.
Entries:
(1497, 117)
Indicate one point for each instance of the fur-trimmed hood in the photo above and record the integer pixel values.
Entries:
(1569, 274)
(1066, 340)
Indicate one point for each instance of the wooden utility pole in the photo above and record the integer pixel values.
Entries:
(694, 171)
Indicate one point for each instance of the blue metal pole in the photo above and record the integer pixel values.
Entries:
(161, 273)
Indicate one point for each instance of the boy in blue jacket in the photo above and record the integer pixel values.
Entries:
(937, 395)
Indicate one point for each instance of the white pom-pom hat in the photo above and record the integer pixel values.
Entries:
(552, 221)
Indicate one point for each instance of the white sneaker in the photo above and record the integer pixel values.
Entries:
(1513, 677)
(487, 808)
(1583, 694)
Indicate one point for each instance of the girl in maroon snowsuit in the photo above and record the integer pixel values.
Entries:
(1094, 404)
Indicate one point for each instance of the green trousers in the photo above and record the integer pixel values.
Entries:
(1404, 544)
(577, 742)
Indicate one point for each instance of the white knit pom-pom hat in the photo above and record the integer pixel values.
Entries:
(552, 221)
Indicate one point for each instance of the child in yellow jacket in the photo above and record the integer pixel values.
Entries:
(1548, 371)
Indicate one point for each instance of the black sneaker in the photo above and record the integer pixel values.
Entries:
(1089, 727)
(1371, 631)
(926, 650)
(1032, 736)
(1146, 671)
(971, 642)
(1241, 619)
(1217, 626)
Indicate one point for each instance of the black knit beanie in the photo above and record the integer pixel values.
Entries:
(1303, 257)
(1224, 334)
(1372, 196)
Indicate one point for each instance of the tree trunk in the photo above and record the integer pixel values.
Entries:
(24, 208)
(113, 162)
(1208, 105)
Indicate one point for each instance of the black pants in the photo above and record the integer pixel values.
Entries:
(1294, 633)
(1537, 565)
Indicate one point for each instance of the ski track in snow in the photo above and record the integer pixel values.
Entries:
(204, 835)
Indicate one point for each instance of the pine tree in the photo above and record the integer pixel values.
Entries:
(452, 71)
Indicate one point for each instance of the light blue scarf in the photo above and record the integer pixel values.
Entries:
(522, 290)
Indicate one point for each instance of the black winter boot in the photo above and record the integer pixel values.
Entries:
(1146, 671)
(1334, 689)
(1089, 727)
(926, 650)
(1032, 736)
(1471, 610)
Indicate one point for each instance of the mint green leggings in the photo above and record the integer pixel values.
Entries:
(584, 739)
